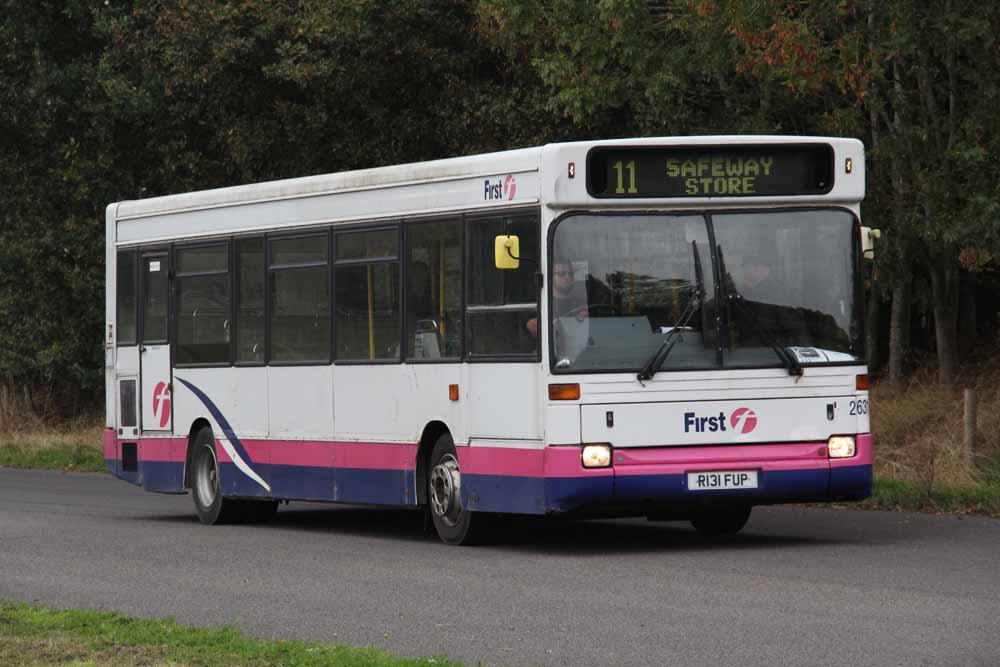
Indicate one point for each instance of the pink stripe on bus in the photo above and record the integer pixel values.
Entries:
(500, 461)
(568, 462)
(515, 462)
(674, 461)
(163, 449)
(364, 455)
(547, 462)
(110, 444)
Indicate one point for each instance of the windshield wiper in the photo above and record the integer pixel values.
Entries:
(699, 276)
(787, 357)
(733, 295)
(653, 365)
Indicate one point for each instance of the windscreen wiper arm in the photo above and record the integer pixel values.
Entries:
(787, 358)
(699, 275)
(653, 365)
(733, 296)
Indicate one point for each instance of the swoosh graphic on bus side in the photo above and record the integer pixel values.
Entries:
(237, 452)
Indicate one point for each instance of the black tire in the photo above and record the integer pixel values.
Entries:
(720, 521)
(210, 505)
(453, 523)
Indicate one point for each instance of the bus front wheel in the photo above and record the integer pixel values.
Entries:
(720, 521)
(452, 521)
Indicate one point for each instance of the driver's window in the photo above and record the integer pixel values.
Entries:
(501, 303)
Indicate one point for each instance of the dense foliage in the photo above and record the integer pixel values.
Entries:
(121, 100)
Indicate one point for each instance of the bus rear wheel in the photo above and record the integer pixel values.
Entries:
(453, 522)
(720, 521)
(210, 505)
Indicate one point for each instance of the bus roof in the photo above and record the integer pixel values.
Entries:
(487, 164)
(525, 159)
(701, 172)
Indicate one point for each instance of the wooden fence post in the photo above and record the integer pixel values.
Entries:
(970, 427)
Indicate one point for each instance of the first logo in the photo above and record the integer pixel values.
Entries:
(161, 403)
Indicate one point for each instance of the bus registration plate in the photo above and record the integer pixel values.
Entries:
(723, 479)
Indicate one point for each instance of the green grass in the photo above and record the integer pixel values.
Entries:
(35, 636)
(57, 456)
(896, 494)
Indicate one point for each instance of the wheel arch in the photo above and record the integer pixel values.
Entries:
(432, 431)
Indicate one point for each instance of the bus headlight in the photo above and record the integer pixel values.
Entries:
(841, 446)
(596, 456)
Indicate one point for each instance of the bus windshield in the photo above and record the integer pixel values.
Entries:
(697, 291)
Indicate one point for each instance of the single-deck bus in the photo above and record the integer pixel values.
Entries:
(660, 327)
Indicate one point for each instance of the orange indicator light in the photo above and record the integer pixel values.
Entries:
(564, 392)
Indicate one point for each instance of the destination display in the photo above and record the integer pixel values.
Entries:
(710, 171)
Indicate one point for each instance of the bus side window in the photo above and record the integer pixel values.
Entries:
(126, 288)
(367, 295)
(250, 323)
(300, 299)
(203, 304)
(434, 290)
(501, 302)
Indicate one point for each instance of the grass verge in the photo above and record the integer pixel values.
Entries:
(35, 636)
(920, 459)
(895, 494)
(76, 449)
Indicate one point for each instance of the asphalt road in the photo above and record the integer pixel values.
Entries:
(798, 586)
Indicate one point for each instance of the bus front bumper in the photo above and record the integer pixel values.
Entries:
(652, 479)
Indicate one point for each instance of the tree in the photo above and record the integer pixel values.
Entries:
(50, 238)
(118, 100)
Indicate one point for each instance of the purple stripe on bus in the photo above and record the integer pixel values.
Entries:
(509, 493)
(220, 419)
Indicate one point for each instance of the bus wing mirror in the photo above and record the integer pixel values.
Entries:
(868, 236)
(507, 252)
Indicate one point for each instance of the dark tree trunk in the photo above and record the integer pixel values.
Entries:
(899, 327)
(872, 321)
(944, 286)
(967, 316)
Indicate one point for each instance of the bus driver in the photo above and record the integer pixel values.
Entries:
(569, 298)
(569, 310)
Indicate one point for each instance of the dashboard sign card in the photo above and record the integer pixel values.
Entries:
(710, 171)
(721, 480)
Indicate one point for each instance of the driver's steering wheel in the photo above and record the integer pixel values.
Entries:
(605, 308)
(582, 311)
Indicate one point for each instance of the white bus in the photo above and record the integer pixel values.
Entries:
(660, 327)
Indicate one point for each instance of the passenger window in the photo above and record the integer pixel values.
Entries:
(125, 297)
(300, 299)
(434, 290)
(203, 304)
(367, 295)
(501, 303)
(126, 402)
(154, 298)
(250, 323)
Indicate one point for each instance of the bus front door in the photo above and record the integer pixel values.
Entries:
(154, 348)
